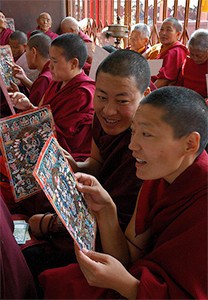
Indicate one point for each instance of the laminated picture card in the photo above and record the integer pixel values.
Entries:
(56, 178)
(22, 137)
(6, 62)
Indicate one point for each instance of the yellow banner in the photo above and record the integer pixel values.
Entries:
(204, 5)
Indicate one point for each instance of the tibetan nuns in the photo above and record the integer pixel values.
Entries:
(72, 109)
(173, 59)
(16, 279)
(175, 267)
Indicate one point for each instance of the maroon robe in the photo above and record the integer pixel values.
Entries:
(193, 76)
(72, 108)
(4, 36)
(49, 33)
(16, 279)
(85, 37)
(40, 85)
(118, 171)
(175, 267)
(173, 59)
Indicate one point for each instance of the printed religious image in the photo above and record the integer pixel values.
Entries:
(57, 180)
(6, 61)
(22, 137)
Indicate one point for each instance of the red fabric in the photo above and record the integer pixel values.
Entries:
(4, 36)
(16, 279)
(66, 286)
(86, 68)
(118, 171)
(49, 33)
(85, 37)
(176, 265)
(173, 59)
(72, 108)
(193, 76)
(40, 85)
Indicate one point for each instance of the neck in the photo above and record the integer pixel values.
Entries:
(76, 72)
(41, 63)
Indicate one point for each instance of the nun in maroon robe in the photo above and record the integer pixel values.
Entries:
(16, 279)
(118, 166)
(175, 267)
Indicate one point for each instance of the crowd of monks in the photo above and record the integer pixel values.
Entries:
(93, 124)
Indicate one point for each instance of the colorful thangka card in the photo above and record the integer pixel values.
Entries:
(57, 180)
(22, 138)
(6, 61)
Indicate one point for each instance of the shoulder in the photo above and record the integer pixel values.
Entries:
(178, 46)
(85, 37)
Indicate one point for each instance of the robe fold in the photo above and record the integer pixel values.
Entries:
(16, 279)
(173, 58)
(40, 85)
(118, 171)
(175, 266)
(193, 76)
(4, 36)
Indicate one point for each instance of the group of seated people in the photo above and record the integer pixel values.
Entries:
(137, 144)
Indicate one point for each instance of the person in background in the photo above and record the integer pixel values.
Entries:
(163, 253)
(4, 31)
(44, 22)
(71, 25)
(16, 278)
(18, 43)
(37, 54)
(170, 50)
(139, 38)
(195, 67)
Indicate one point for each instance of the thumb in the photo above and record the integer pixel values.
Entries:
(14, 85)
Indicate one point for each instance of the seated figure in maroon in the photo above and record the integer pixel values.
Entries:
(4, 31)
(44, 22)
(37, 54)
(195, 67)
